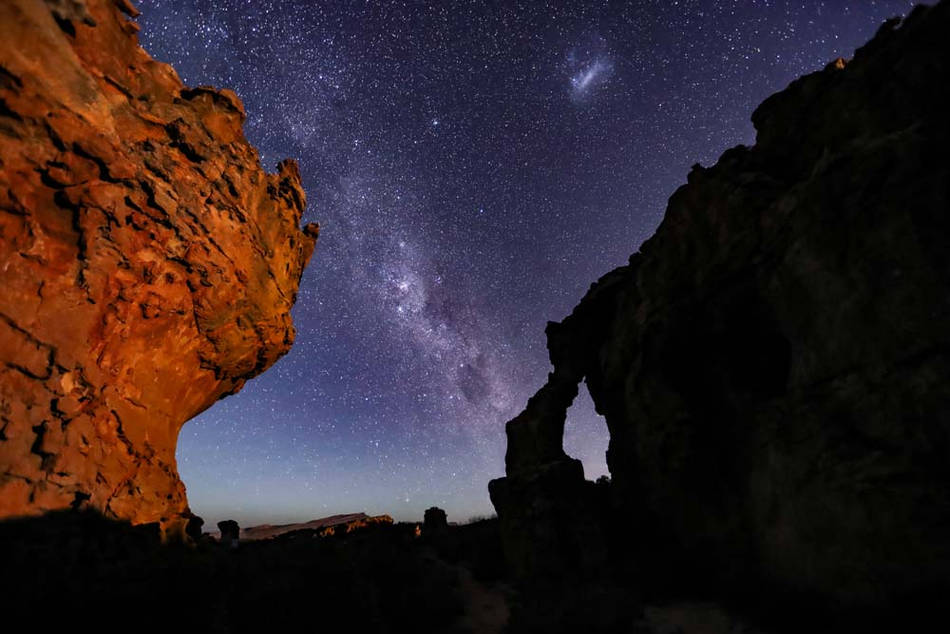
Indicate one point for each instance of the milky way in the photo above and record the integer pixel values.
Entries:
(474, 167)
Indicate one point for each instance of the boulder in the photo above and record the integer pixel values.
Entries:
(230, 533)
(434, 521)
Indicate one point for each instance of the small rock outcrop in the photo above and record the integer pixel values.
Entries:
(230, 532)
(193, 527)
(773, 365)
(148, 263)
(434, 521)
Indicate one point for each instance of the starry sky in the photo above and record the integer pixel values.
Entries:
(474, 166)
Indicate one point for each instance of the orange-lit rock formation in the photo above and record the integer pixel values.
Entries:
(148, 264)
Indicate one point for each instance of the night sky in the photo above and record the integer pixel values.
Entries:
(474, 167)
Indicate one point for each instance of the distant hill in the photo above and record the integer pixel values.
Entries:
(347, 522)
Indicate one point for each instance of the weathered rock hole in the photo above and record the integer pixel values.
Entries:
(586, 435)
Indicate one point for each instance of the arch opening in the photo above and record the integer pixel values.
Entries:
(586, 435)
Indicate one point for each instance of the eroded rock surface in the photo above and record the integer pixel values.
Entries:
(774, 364)
(147, 263)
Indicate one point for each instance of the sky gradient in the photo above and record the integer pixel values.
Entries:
(474, 167)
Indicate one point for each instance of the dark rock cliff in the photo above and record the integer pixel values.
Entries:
(773, 365)
(147, 263)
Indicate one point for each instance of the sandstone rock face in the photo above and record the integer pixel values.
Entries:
(147, 263)
(774, 364)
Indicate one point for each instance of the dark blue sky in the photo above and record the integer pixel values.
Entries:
(474, 166)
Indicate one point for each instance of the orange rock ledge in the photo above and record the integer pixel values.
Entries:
(148, 264)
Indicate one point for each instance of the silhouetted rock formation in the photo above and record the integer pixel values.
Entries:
(230, 533)
(148, 263)
(434, 521)
(193, 527)
(109, 576)
(773, 364)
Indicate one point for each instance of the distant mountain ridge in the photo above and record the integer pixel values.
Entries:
(346, 522)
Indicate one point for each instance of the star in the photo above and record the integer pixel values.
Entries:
(472, 172)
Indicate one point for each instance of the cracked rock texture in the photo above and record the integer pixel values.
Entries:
(147, 263)
(773, 365)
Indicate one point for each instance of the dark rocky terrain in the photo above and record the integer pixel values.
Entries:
(77, 569)
(148, 263)
(774, 370)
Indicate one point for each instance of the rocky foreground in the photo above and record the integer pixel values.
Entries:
(76, 570)
(148, 263)
(774, 369)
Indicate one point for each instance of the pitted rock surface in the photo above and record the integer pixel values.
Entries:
(148, 263)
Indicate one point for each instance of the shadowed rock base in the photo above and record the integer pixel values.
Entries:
(774, 370)
(109, 576)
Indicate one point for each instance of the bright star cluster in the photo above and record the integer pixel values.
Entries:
(474, 166)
